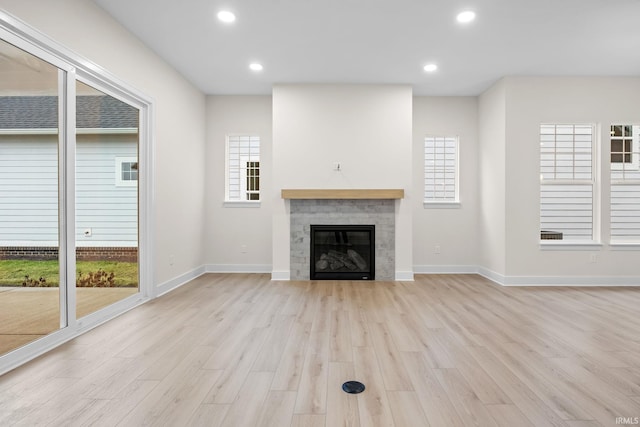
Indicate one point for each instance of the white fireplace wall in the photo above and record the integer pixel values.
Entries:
(365, 128)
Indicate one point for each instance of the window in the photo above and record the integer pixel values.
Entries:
(625, 183)
(567, 181)
(243, 168)
(441, 170)
(126, 172)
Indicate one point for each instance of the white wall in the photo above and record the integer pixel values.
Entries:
(179, 142)
(237, 238)
(492, 116)
(367, 128)
(531, 101)
(454, 230)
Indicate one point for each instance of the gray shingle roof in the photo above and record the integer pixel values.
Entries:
(41, 112)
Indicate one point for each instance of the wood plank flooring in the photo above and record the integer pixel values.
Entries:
(443, 351)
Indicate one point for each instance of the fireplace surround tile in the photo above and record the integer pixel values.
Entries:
(378, 212)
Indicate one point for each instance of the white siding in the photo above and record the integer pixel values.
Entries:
(29, 190)
(29, 199)
(108, 210)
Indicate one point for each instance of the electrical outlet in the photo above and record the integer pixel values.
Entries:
(436, 249)
(243, 249)
(593, 258)
(171, 259)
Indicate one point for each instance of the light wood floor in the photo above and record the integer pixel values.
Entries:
(443, 351)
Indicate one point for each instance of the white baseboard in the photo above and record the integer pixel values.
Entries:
(571, 281)
(280, 275)
(491, 275)
(180, 280)
(404, 276)
(238, 268)
(445, 269)
(503, 280)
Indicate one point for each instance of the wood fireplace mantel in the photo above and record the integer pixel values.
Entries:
(343, 194)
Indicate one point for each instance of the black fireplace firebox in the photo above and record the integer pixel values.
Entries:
(343, 252)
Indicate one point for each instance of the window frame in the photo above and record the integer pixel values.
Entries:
(119, 182)
(621, 167)
(441, 202)
(634, 164)
(593, 182)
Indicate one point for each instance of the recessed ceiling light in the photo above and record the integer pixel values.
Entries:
(430, 68)
(254, 66)
(466, 16)
(226, 16)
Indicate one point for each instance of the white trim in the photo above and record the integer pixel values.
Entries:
(502, 280)
(79, 131)
(445, 269)
(79, 244)
(238, 268)
(29, 244)
(281, 275)
(441, 205)
(116, 131)
(624, 246)
(241, 204)
(180, 280)
(573, 281)
(39, 131)
(567, 245)
(118, 172)
(404, 276)
(106, 244)
(492, 275)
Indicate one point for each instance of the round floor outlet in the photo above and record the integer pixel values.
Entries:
(353, 387)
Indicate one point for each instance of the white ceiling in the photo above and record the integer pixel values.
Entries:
(385, 41)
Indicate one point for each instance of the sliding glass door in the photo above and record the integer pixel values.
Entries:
(106, 199)
(31, 110)
(70, 168)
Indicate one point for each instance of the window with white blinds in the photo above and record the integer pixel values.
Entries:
(441, 169)
(625, 183)
(567, 180)
(243, 168)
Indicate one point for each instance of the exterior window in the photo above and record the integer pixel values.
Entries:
(567, 182)
(243, 168)
(441, 169)
(126, 171)
(625, 183)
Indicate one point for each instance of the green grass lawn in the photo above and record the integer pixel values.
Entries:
(13, 272)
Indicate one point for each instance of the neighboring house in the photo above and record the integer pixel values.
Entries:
(106, 174)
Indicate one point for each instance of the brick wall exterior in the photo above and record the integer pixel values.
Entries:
(125, 254)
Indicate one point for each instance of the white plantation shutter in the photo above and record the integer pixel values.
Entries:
(243, 168)
(625, 184)
(441, 169)
(567, 180)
